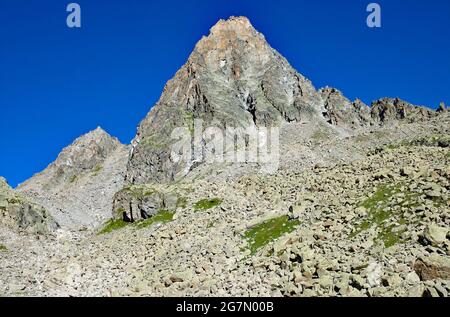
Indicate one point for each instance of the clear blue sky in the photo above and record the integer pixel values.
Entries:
(57, 83)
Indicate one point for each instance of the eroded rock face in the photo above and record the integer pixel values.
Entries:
(19, 214)
(232, 78)
(389, 110)
(340, 111)
(78, 187)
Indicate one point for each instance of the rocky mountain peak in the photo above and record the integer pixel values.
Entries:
(77, 188)
(227, 34)
(238, 24)
(87, 151)
(232, 78)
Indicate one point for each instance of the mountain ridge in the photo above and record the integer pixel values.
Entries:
(357, 206)
(232, 77)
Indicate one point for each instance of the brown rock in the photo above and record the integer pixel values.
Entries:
(433, 267)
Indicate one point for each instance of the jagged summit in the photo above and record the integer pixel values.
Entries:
(77, 188)
(226, 32)
(233, 78)
(87, 151)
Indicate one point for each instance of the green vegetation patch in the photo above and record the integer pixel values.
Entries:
(319, 135)
(3, 248)
(14, 200)
(205, 204)
(383, 209)
(163, 216)
(73, 179)
(96, 170)
(189, 119)
(155, 141)
(182, 202)
(140, 191)
(261, 234)
(113, 224)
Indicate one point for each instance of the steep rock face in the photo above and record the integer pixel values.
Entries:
(390, 110)
(17, 213)
(232, 78)
(342, 112)
(78, 187)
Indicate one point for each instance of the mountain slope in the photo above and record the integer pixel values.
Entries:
(77, 188)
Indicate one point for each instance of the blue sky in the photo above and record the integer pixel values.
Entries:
(57, 83)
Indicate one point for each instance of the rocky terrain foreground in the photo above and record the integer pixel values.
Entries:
(359, 204)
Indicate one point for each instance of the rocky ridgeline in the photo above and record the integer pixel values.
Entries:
(233, 78)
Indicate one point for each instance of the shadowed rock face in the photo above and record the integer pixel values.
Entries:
(232, 78)
(17, 213)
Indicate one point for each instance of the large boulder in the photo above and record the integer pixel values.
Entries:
(435, 234)
(19, 214)
(433, 267)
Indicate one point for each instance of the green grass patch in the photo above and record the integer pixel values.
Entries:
(182, 202)
(320, 135)
(113, 224)
(140, 191)
(163, 216)
(189, 119)
(96, 170)
(73, 179)
(14, 200)
(3, 248)
(205, 204)
(155, 141)
(383, 213)
(261, 234)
